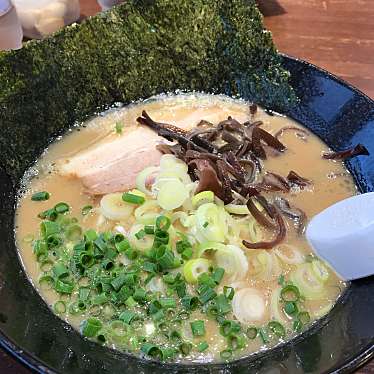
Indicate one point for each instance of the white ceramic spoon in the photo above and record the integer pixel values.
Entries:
(343, 235)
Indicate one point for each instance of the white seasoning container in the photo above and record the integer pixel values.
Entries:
(10, 27)
(40, 18)
(106, 4)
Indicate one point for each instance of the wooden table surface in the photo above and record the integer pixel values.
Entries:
(337, 35)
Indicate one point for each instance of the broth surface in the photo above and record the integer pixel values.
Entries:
(331, 183)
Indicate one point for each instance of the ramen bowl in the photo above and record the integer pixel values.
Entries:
(341, 341)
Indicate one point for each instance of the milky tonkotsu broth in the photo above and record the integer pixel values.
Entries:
(331, 183)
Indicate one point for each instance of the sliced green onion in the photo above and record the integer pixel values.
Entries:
(206, 294)
(127, 316)
(202, 346)
(182, 245)
(149, 229)
(168, 302)
(165, 257)
(119, 128)
(167, 353)
(83, 293)
(84, 282)
(207, 280)
(163, 223)
(63, 220)
(91, 327)
(107, 264)
(154, 307)
(118, 282)
(123, 246)
(193, 268)
(94, 310)
(184, 315)
(124, 293)
(40, 249)
(220, 319)
(103, 284)
(236, 341)
(237, 209)
(228, 292)
(218, 274)
(304, 317)
(59, 307)
(108, 311)
(63, 287)
(49, 228)
(140, 295)
(226, 354)
(151, 350)
(320, 270)
(297, 325)
(251, 332)
(202, 198)
(53, 241)
(132, 198)
(263, 335)
(277, 328)
(46, 265)
(130, 302)
(185, 348)
(90, 235)
(119, 329)
(100, 299)
(159, 315)
(197, 328)
(86, 259)
(190, 302)
(118, 237)
(290, 308)
(169, 278)
(73, 232)
(175, 336)
(46, 282)
(49, 214)
(60, 271)
(281, 280)
(229, 327)
(61, 208)
(28, 238)
(77, 307)
(149, 267)
(86, 209)
(212, 310)
(290, 293)
(222, 303)
(140, 234)
(187, 254)
(101, 338)
(208, 247)
(161, 238)
(40, 196)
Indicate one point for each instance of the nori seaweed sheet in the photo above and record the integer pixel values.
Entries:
(133, 51)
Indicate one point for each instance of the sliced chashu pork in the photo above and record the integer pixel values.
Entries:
(112, 166)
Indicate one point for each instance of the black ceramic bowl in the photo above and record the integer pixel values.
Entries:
(342, 117)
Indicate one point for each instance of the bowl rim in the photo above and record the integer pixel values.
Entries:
(363, 356)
